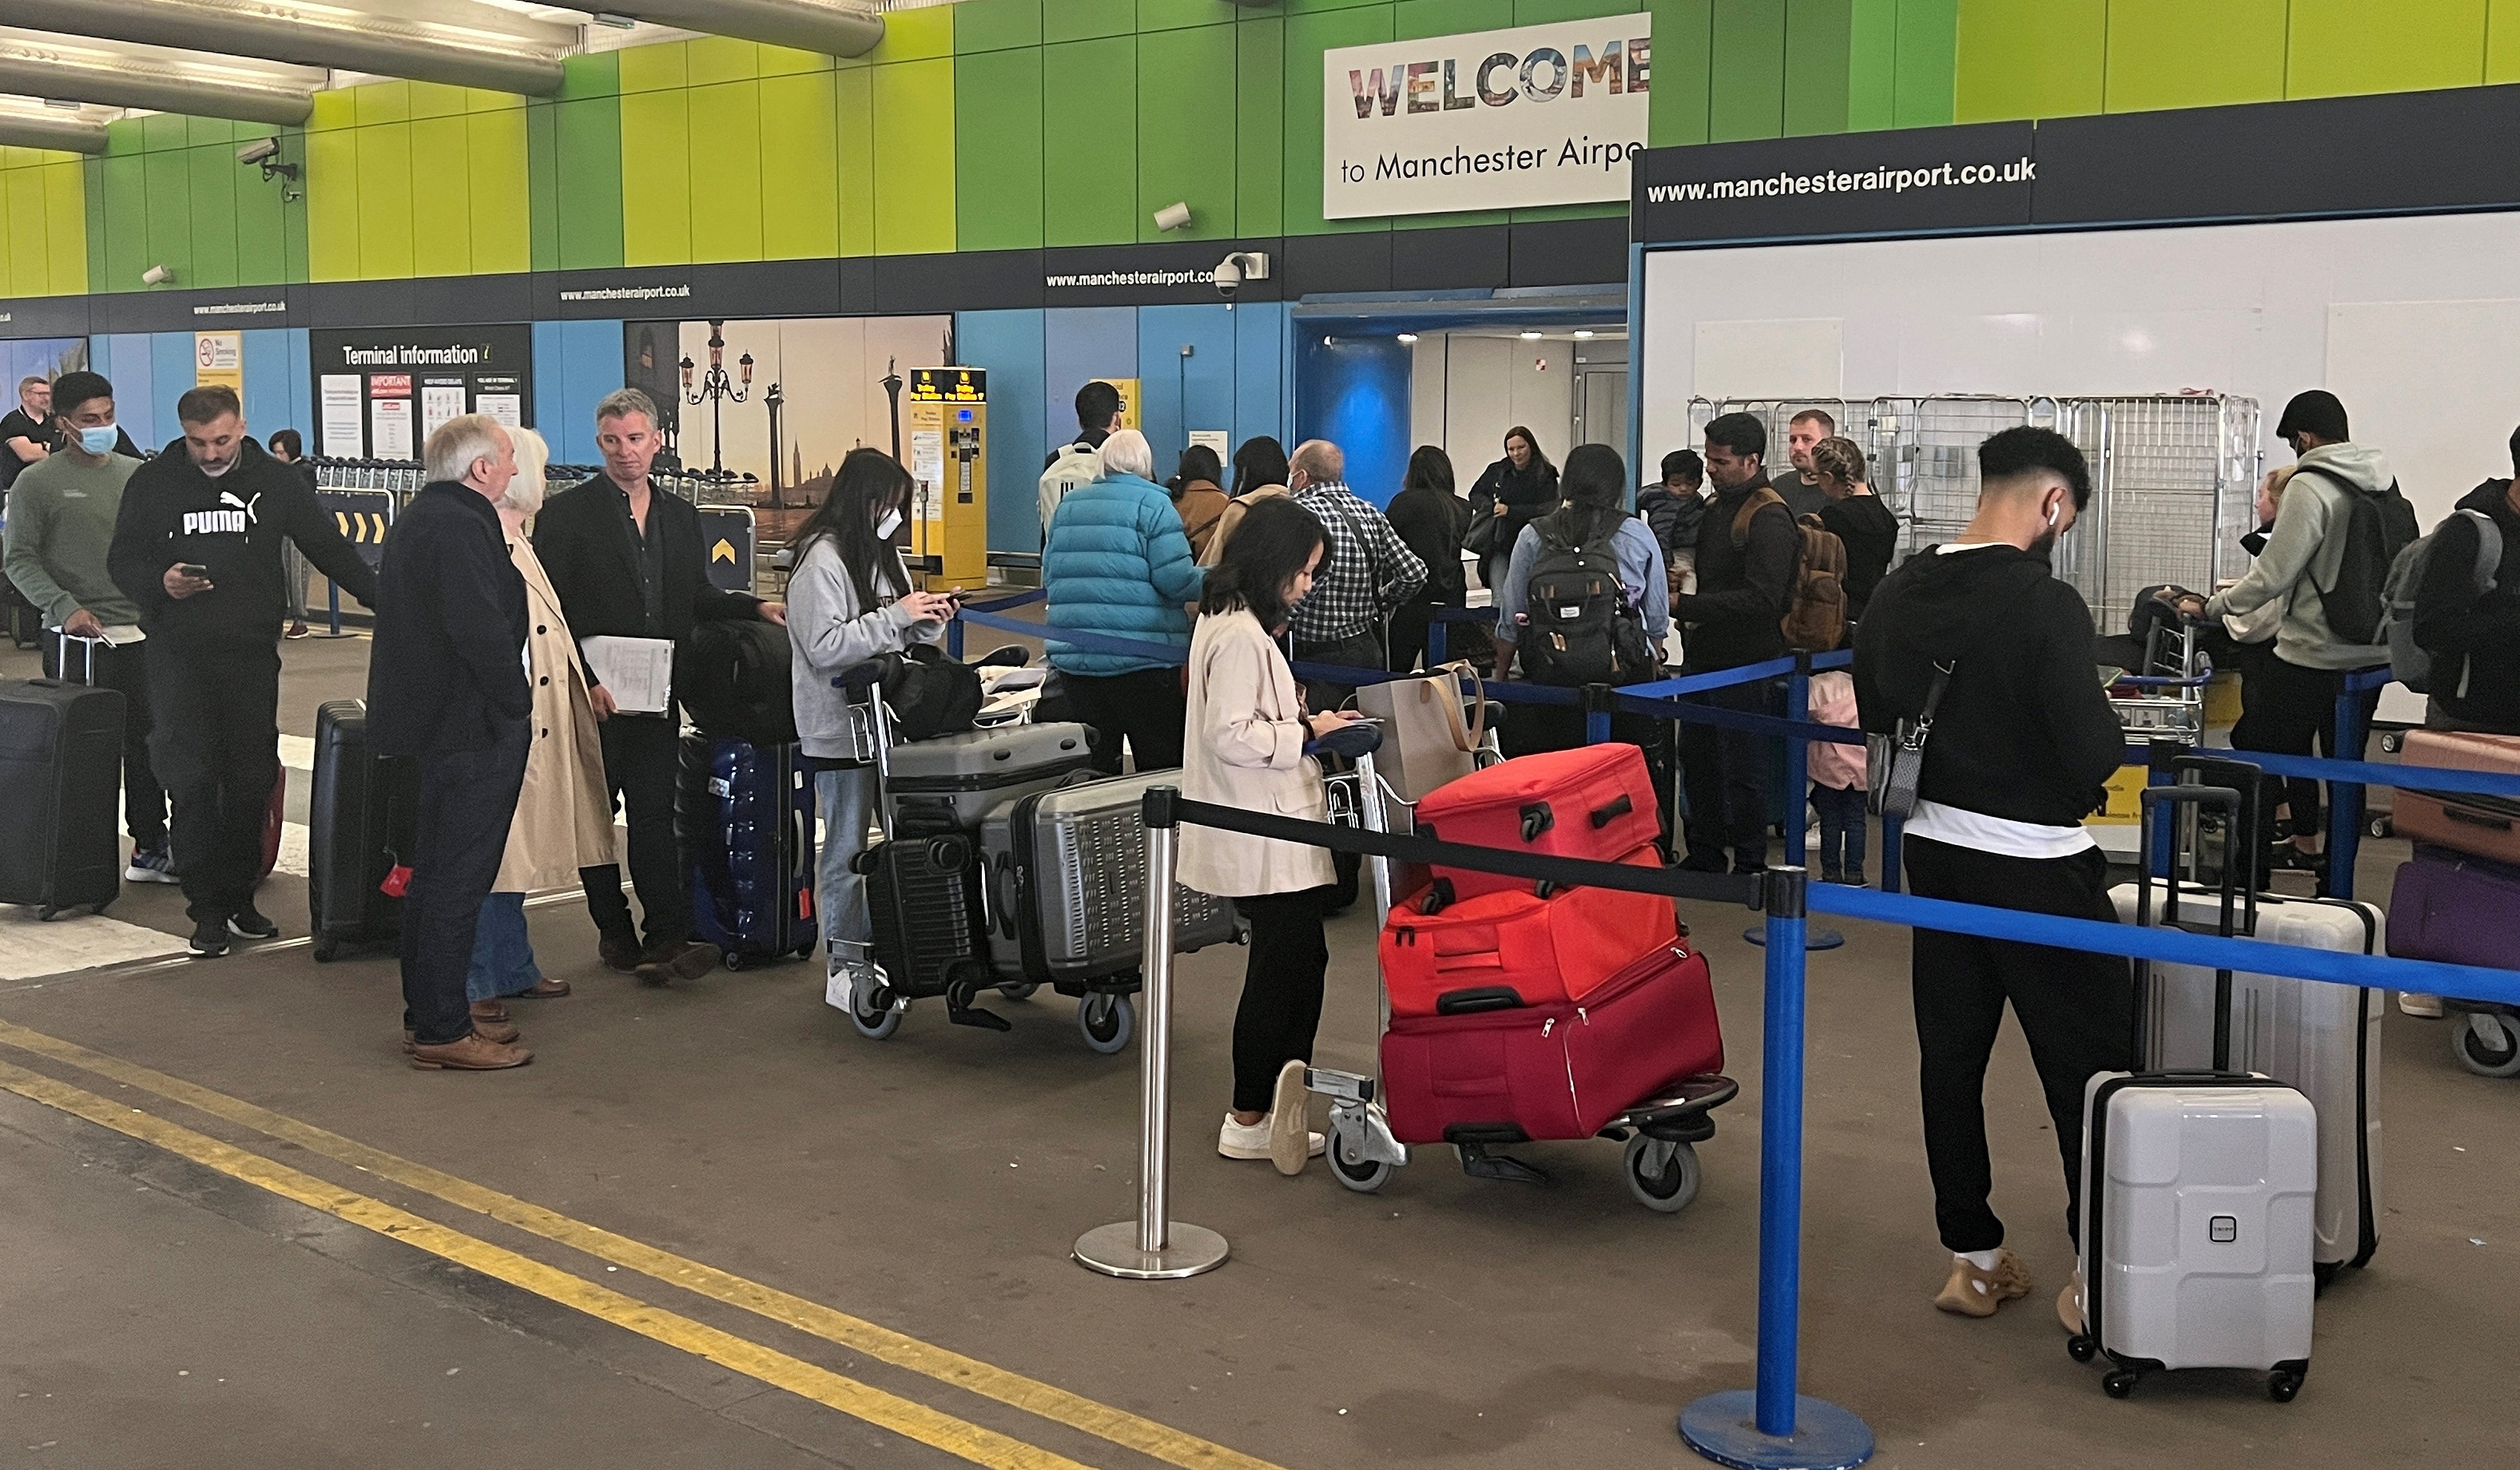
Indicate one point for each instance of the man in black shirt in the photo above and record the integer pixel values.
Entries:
(2474, 639)
(1747, 546)
(626, 559)
(2023, 742)
(1867, 528)
(27, 432)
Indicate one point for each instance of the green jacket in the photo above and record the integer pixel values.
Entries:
(61, 523)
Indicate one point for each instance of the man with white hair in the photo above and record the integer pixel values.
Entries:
(446, 686)
(1116, 563)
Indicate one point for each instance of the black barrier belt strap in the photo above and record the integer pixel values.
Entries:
(1565, 873)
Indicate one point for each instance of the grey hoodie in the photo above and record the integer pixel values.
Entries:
(2304, 554)
(828, 633)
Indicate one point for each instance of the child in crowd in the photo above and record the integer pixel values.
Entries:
(1838, 781)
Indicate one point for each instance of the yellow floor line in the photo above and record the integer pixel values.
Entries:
(1162, 1442)
(912, 1420)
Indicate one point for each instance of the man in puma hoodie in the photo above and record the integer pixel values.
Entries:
(2022, 744)
(214, 501)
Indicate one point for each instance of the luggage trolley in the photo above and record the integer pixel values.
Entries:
(1661, 1133)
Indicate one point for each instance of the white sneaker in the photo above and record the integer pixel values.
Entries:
(1251, 1140)
(2429, 1008)
(1290, 1108)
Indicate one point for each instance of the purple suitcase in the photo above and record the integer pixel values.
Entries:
(2449, 907)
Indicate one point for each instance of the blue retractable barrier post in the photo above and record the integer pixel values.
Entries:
(1598, 700)
(1893, 832)
(1772, 1427)
(2345, 799)
(1798, 801)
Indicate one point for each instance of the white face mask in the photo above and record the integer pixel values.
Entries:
(890, 523)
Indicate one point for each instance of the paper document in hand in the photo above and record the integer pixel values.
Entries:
(638, 671)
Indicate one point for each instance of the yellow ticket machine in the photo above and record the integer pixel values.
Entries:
(949, 464)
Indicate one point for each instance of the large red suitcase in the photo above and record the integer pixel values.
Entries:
(1594, 801)
(1553, 1072)
(2487, 826)
(1519, 947)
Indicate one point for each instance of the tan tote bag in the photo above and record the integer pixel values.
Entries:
(1432, 727)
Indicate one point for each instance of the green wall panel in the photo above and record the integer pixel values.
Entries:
(998, 119)
(587, 192)
(853, 105)
(2342, 47)
(995, 26)
(1175, 15)
(1087, 19)
(1185, 140)
(1318, 26)
(1928, 33)
(1871, 63)
(164, 132)
(1090, 141)
(1543, 12)
(800, 198)
(1817, 33)
(331, 206)
(656, 177)
(262, 226)
(168, 240)
(726, 171)
(2179, 54)
(1259, 132)
(597, 75)
(1684, 42)
(385, 243)
(1412, 20)
(1747, 98)
(213, 202)
(441, 204)
(65, 217)
(502, 212)
(2030, 59)
(913, 153)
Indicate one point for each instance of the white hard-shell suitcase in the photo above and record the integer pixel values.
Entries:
(2200, 1189)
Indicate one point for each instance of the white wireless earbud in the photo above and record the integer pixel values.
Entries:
(2052, 513)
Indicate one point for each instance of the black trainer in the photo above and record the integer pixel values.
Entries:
(209, 939)
(247, 922)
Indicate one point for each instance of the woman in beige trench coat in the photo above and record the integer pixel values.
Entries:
(564, 817)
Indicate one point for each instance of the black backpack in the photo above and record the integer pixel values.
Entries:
(1578, 626)
(2379, 524)
(930, 693)
(734, 677)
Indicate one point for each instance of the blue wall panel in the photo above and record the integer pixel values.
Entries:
(1009, 345)
(1078, 346)
(1260, 374)
(1185, 393)
(1355, 393)
(124, 359)
(274, 379)
(171, 371)
(576, 364)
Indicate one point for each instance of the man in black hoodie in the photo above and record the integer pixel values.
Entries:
(1747, 546)
(2023, 742)
(196, 546)
(2474, 641)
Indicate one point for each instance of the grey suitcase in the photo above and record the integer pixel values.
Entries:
(946, 784)
(1064, 890)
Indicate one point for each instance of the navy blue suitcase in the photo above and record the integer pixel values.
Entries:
(747, 822)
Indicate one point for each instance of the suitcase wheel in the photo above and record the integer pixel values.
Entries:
(1022, 990)
(327, 950)
(2081, 1347)
(2488, 1043)
(2283, 1384)
(2118, 1383)
(1662, 1174)
(873, 1014)
(1106, 1022)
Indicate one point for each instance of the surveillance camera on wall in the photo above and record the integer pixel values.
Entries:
(256, 151)
(1237, 268)
(155, 274)
(1173, 217)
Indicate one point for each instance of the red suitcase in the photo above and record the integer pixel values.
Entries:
(2485, 827)
(1520, 947)
(1552, 1072)
(1594, 801)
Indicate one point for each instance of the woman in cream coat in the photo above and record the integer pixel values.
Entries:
(564, 817)
(1244, 748)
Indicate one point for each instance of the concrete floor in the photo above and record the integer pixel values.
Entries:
(933, 1182)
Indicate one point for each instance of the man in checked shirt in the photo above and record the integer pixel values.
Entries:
(1367, 571)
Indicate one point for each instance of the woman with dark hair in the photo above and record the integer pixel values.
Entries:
(850, 599)
(1244, 748)
(1197, 494)
(1259, 473)
(1515, 490)
(1430, 518)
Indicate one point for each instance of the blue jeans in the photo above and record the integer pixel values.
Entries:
(847, 800)
(503, 954)
(1841, 831)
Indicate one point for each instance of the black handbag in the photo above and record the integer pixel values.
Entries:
(931, 694)
(1896, 764)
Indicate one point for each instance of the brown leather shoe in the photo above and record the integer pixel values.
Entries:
(620, 956)
(492, 1009)
(496, 1029)
(472, 1053)
(681, 959)
(545, 989)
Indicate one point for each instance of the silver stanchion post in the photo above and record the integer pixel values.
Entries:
(1154, 1247)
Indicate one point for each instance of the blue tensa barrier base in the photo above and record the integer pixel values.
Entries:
(1725, 1428)
(1812, 939)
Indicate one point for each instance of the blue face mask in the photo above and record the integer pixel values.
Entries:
(100, 440)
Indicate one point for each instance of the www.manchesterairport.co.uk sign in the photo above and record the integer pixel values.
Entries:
(1537, 114)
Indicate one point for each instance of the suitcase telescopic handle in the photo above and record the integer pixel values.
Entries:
(2228, 801)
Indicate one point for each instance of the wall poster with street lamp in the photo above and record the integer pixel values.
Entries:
(762, 412)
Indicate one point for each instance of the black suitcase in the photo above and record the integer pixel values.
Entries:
(746, 816)
(60, 795)
(922, 896)
(362, 822)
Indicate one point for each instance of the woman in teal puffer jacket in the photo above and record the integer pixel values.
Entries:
(1116, 563)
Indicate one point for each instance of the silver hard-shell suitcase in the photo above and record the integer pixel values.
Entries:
(1064, 883)
(950, 782)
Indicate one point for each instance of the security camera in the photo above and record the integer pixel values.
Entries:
(1172, 217)
(1237, 268)
(155, 274)
(256, 151)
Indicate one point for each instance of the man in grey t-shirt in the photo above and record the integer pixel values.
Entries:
(61, 523)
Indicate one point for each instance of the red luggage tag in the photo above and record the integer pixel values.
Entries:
(397, 881)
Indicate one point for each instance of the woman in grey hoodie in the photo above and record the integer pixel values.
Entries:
(850, 599)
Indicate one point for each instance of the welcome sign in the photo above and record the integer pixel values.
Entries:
(1537, 114)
